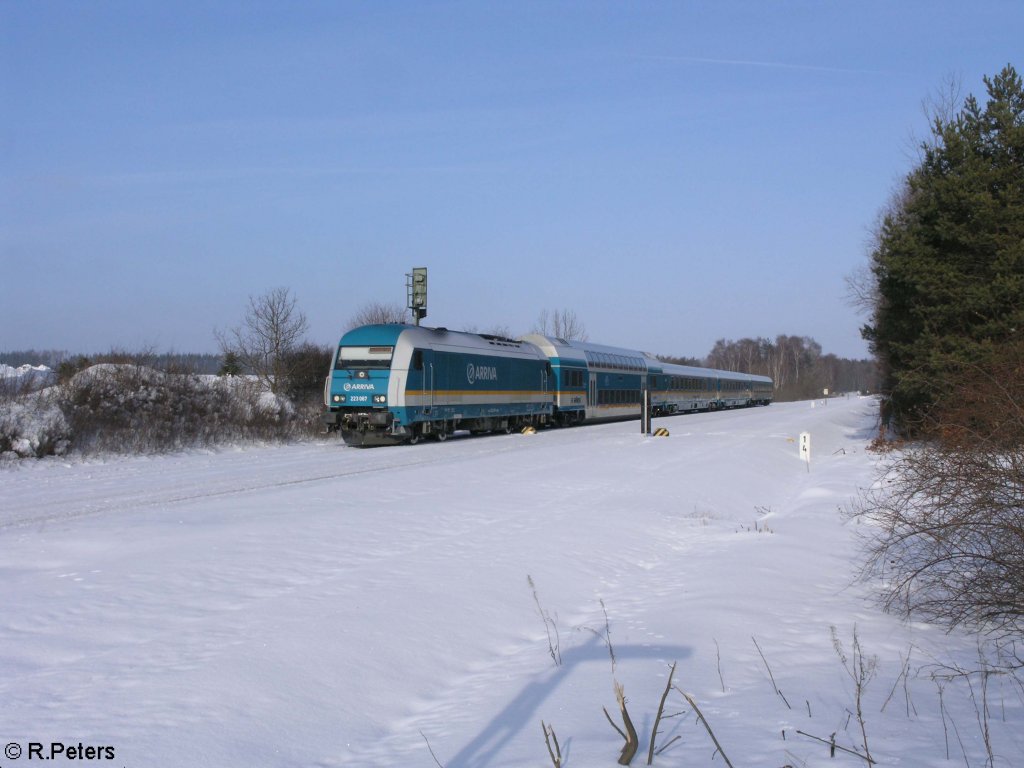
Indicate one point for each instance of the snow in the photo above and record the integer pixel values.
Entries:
(317, 605)
(39, 373)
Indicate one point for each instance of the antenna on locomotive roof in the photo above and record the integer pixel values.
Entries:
(416, 292)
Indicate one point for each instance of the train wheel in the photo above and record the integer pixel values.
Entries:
(508, 429)
(415, 438)
(442, 434)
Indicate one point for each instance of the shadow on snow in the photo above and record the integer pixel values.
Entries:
(523, 708)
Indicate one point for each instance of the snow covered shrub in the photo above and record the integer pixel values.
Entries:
(260, 413)
(32, 426)
(133, 407)
(136, 408)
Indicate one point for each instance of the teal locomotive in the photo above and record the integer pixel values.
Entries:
(401, 383)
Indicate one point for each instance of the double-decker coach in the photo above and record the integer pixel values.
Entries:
(594, 382)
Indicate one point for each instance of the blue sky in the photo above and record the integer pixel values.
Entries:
(673, 172)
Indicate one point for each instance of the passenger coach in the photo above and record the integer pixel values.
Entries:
(594, 382)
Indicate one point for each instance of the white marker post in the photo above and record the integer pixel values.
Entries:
(805, 448)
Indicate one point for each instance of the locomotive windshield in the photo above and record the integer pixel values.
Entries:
(364, 357)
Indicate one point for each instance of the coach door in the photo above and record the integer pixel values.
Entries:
(423, 362)
(429, 379)
(592, 393)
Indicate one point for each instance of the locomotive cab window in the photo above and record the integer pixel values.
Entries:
(364, 357)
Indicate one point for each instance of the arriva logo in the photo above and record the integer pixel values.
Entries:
(475, 373)
(349, 386)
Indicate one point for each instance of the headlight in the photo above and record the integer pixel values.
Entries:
(380, 398)
(339, 398)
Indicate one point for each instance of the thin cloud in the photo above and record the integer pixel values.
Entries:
(762, 64)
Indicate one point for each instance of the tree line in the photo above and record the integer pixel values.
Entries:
(797, 365)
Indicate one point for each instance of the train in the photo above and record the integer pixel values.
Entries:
(397, 383)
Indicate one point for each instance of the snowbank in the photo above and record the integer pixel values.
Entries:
(30, 376)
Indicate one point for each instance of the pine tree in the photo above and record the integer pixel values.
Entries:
(232, 365)
(949, 257)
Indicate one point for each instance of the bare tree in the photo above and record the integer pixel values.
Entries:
(563, 324)
(495, 330)
(499, 330)
(861, 289)
(379, 313)
(271, 330)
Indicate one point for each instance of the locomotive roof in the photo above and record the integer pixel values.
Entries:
(388, 334)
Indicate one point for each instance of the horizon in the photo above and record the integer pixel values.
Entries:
(66, 354)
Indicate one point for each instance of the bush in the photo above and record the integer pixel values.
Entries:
(308, 367)
(33, 426)
(135, 408)
(126, 405)
(130, 407)
(948, 520)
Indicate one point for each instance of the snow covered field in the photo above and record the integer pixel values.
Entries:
(317, 605)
